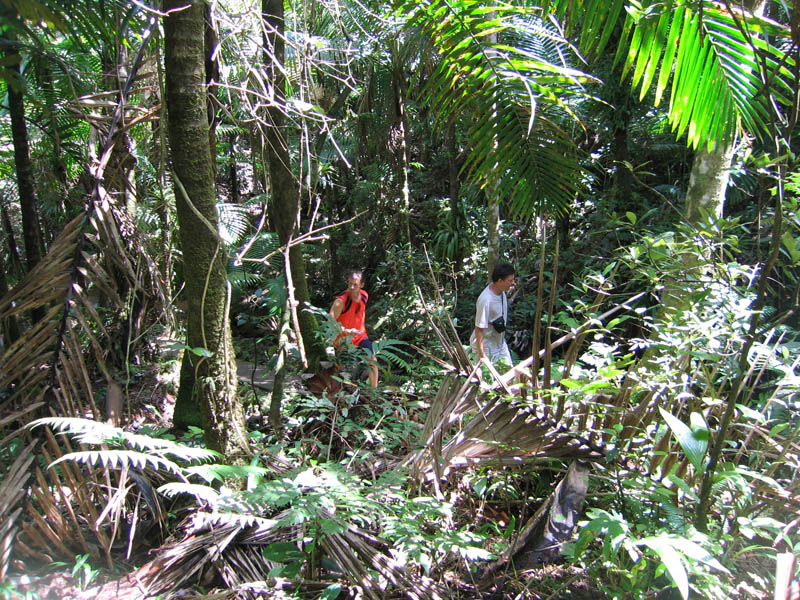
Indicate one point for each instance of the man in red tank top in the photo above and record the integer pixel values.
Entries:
(349, 310)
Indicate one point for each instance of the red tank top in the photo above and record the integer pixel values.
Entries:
(352, 316)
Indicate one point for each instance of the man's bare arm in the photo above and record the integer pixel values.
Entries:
(479, 342)
(336, 309)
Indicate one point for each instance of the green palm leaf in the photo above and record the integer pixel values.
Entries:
(728, 69)
(502, 68)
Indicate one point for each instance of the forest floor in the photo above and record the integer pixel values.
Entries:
(152, 402)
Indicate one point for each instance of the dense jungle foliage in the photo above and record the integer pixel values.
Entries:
(184, 187)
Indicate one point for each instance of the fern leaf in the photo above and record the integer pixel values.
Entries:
(222, 519)
(202, 493)
(89, 432)
(119, 459)
(219, 472)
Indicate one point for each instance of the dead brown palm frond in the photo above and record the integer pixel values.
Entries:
(53, 367)
(234, 547)
(492, 429)
(12, 489)
(509, 431)
(443, 327)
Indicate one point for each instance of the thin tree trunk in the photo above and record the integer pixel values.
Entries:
(401, 127)
(208, 378)
(285, 195)
(9, 327)
(705, 198)
(233, 173)
(493, 227)
(158, 158)
(119, 178)
(493, 206)
(623, 177)
(15, 261)
(708, 183)
(46, 78)
(13, 265)
(276, 398)
(455, 193)
(31, 231)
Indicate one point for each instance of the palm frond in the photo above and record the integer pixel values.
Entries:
(236, 547)
(54, 365)
(118, 459)
(12, 488)
(503, 68)
(234, 221)
(728, 69)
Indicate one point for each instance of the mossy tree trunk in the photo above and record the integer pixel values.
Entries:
(708, 183)
(285, 198)
(208, 382)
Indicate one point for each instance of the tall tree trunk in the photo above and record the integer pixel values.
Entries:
(211, 387)
(9, 327)
(455, 195)
(493, 206)
(233, 174)
(708, 183)
(285, 194)
(31, 231)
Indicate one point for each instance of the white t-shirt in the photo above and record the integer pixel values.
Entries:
(489, 307)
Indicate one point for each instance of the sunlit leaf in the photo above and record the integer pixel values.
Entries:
(694, 442)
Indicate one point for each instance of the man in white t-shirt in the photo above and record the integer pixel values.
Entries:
(491, 317)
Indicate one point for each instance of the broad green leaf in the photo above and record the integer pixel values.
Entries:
(694, 551)
(693, 442)
(671, 559)
(283, 552)
(749, 413)
(331, 592)
(200, 351)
